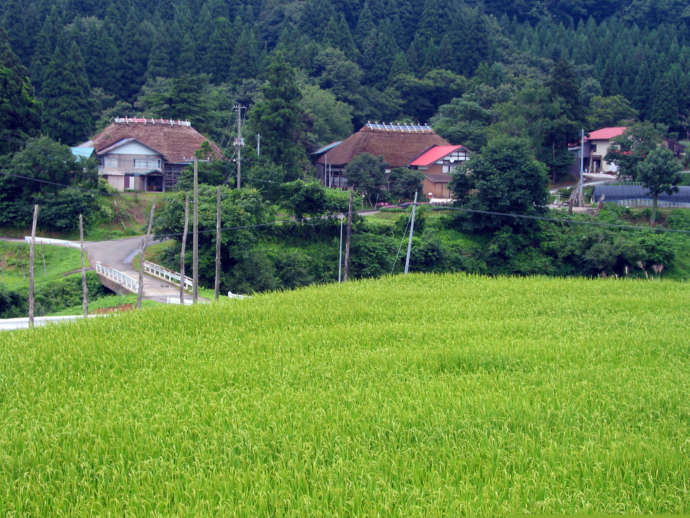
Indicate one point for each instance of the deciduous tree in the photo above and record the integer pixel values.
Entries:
(660, 173)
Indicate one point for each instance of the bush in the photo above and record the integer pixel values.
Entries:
(12, 303)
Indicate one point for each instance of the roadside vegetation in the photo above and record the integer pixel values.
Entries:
(57, 280)
(420, 396)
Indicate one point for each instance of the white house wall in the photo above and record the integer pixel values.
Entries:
(602, 149)
(133, 148)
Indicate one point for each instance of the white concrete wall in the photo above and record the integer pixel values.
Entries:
(603, 148)
(134, 148)
(117, 181)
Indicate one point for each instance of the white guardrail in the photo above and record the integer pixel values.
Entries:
(156, 270)
(54, 242)
(118, 277)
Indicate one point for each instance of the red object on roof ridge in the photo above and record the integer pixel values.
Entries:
(606, 133)
(433, 154)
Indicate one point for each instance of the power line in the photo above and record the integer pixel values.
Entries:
(460, 209)
(49, 182)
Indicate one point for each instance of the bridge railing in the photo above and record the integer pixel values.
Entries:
(161, 272)
(118, 277)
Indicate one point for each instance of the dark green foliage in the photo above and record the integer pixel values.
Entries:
(19, 111)
(220, 49)
(241, 209)
(278, 118)
(51, 297)
(610, 111)
(67, 110)
(52, 167)
(245, 56)
(12, 304)
(403, 183)
(187, 97)
(294, 268)
(508, 179)
(327, 118)
(101, 58)
(312, 199)
(422, 97)
(57, 295)
(463, 121)
(60, 211)
(366, 173)
(45, 45)
(215, 172)
(660, 173)
(135, 47)
(631, 148)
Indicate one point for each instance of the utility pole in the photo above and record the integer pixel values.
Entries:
(580, 188)
(239, 144)
(325, 170)
(184, 247)
(258, 144)
(142, 252)
(31, 268)
(218, 242)
(409, 243)
(340, 253)
(195, 237)
(347, 239)
(84, 287)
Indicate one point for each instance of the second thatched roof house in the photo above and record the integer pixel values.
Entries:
(398, 144)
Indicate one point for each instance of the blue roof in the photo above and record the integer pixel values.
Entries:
(327, 148)
(82, 152)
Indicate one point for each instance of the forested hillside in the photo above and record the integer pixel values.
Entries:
(472, 68)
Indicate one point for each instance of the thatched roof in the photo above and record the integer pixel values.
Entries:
(397, 144)
(177, 141)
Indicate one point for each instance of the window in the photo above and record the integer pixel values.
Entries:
(111, 162)
(594, 148)
(147, 163)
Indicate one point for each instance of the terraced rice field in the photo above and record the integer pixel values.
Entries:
(422, 396)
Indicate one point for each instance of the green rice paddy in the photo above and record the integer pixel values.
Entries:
(422, 396)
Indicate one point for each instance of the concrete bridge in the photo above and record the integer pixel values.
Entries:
(113, 260)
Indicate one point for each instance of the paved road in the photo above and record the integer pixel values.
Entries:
(119, 254)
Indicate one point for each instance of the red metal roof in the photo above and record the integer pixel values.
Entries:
(433, 154)
(606, 133)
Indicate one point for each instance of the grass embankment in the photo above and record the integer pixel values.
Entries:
(425, 396)
(119, 215)
(50, 263)
(106, 304)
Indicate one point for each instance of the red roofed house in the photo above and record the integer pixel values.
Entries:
(597, 144)
(398, 144)
(437, 163)
(147, 154)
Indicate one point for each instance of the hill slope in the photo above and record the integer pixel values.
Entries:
(421, 396)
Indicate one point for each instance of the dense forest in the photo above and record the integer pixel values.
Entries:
(471, 68)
